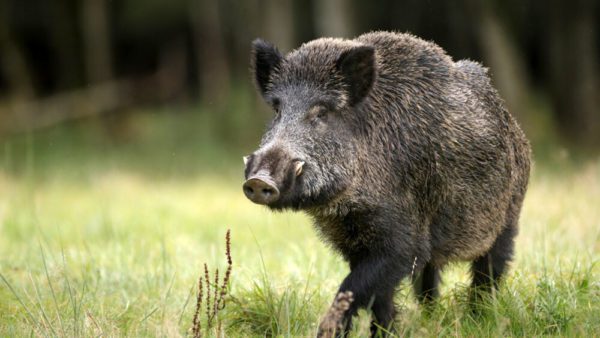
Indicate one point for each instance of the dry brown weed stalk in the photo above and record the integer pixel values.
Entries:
(219, 292)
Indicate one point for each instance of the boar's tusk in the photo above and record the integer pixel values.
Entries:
(246, 159)
(298, 168)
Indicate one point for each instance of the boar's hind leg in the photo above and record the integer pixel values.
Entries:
(426, 284)
(489, 268)
(373, 281)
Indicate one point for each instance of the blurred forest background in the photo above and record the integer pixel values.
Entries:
(103, 61)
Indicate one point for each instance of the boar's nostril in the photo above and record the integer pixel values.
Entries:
(261, 190)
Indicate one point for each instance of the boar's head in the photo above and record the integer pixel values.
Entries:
(309, 152)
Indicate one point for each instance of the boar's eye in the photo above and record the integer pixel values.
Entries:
(318, 113)
(322, 113)
(276, 103)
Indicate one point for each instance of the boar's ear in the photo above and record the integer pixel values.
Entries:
(357, 66)
(265, 57)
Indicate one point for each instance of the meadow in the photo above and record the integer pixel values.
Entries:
(106, 238)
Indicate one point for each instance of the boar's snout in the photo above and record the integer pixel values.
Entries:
(272, 176)
(261, 190)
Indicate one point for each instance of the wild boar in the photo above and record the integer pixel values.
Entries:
(404, 159)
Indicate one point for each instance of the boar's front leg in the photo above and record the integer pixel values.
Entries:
(372, 282)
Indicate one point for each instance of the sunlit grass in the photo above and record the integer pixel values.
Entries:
(109, 248)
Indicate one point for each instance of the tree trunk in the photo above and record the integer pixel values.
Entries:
(573, 69)
(279, 26)
(507, 66)
(63, 38)
(333, 18)
(96, 41)
(12, 61)
(211, 55)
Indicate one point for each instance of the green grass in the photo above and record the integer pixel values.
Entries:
(108, 239)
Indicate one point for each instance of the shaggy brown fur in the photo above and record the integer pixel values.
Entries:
(411, 159)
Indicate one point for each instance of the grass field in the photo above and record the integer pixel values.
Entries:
(103, 239)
